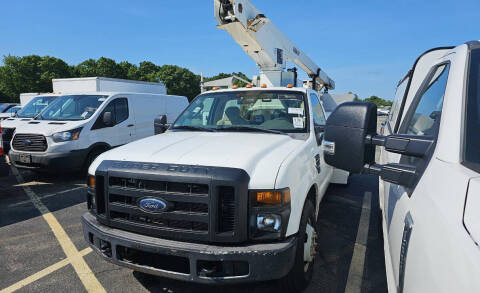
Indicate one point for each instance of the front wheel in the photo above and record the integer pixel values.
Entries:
(301, 274)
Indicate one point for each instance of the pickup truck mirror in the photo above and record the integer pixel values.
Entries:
(160, 124)
(108, 118)
(351, 138)
(345, 133)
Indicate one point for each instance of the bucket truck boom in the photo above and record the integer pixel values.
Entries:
(267, 45)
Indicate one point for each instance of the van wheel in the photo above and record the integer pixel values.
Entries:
(91, 157)
(301, 274)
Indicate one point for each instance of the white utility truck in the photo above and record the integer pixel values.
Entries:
(429, 167)
(78, 126)
(231, 192)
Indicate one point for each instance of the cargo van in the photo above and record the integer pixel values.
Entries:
(27, 113)
(72, 131)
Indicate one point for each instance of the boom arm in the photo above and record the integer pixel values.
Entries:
(264, 43)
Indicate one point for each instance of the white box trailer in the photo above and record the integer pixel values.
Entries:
(27, 97)
(103, 84)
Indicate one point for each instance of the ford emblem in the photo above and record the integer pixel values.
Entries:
(153, 205)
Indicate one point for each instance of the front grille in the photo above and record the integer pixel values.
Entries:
(203, 204)
(29, 142)
(187, 210)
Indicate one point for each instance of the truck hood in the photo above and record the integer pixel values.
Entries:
(47, 128)
(259, 154)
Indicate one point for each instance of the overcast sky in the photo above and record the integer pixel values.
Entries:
(365, 46)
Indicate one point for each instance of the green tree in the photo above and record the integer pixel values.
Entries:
(378, 101)
(106, 67)
(30, 74)
(179, 81)
(147, 71)
(87, 68)
(128, 70)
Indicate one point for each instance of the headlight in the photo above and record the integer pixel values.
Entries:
(269, 213)
(67, 135)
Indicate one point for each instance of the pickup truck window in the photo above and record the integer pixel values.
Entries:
(425, 119)
(397, 102)
(245, 111)
(472, 133)
(318, 115)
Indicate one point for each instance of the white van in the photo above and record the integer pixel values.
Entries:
(76, 128)
(27, 113)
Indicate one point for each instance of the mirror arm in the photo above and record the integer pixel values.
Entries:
(409, 145)
(400, 174)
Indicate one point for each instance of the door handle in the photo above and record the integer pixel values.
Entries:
(130, 125)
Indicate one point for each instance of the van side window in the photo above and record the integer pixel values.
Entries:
(119, 110)
(472, 133)
(425, 120)
(318, 115)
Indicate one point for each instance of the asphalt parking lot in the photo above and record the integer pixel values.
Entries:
(42, 247)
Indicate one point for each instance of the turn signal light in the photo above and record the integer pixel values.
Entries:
(271, 197)
(91, 181)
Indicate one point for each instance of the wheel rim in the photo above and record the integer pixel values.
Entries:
(310, 246)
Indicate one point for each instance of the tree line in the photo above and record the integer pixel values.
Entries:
(34, 73)
(377, 101)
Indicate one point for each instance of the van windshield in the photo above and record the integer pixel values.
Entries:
(75, 107)
(35, 106)
(280, 111)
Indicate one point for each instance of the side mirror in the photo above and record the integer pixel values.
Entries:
(108, 118)
(160, 124)
(345, 133)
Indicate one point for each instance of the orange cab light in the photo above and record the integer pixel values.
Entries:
(289, 85)
(264, 85)
(215, 88)
(249, 86)
(235, 86)
(91, 181)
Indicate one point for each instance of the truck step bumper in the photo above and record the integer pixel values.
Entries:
(200, 263)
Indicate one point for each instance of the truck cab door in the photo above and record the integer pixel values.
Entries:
(423, 119)
(319, 121)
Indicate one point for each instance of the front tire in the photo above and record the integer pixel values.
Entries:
(302, 272)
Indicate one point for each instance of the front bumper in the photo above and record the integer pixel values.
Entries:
(71, 161)
(200, 263)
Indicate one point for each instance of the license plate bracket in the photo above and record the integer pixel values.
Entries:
(25, 158)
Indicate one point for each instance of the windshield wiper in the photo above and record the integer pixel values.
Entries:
(248, 128)
(195, 128)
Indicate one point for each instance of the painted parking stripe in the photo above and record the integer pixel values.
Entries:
(45, 272)
(90, 282)
(28, 201)
(355, 273)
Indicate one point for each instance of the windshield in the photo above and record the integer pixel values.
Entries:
(78, 107)
(264, 110)
(3, 107)
(35, 106)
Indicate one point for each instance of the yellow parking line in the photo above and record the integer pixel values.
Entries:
(90, 282)
(37, 276)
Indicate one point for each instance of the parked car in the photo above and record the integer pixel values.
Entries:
(429, 167)
(75, 128)
(27, 113)
(12, 111)
(230, 193)
(4, 108)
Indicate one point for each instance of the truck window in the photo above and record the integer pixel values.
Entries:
(318, 115)
(425, 119)
(472, 133)
(397, 102)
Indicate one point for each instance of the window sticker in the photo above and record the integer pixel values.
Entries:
(298, 111)
(298, 122)
(102, 99)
